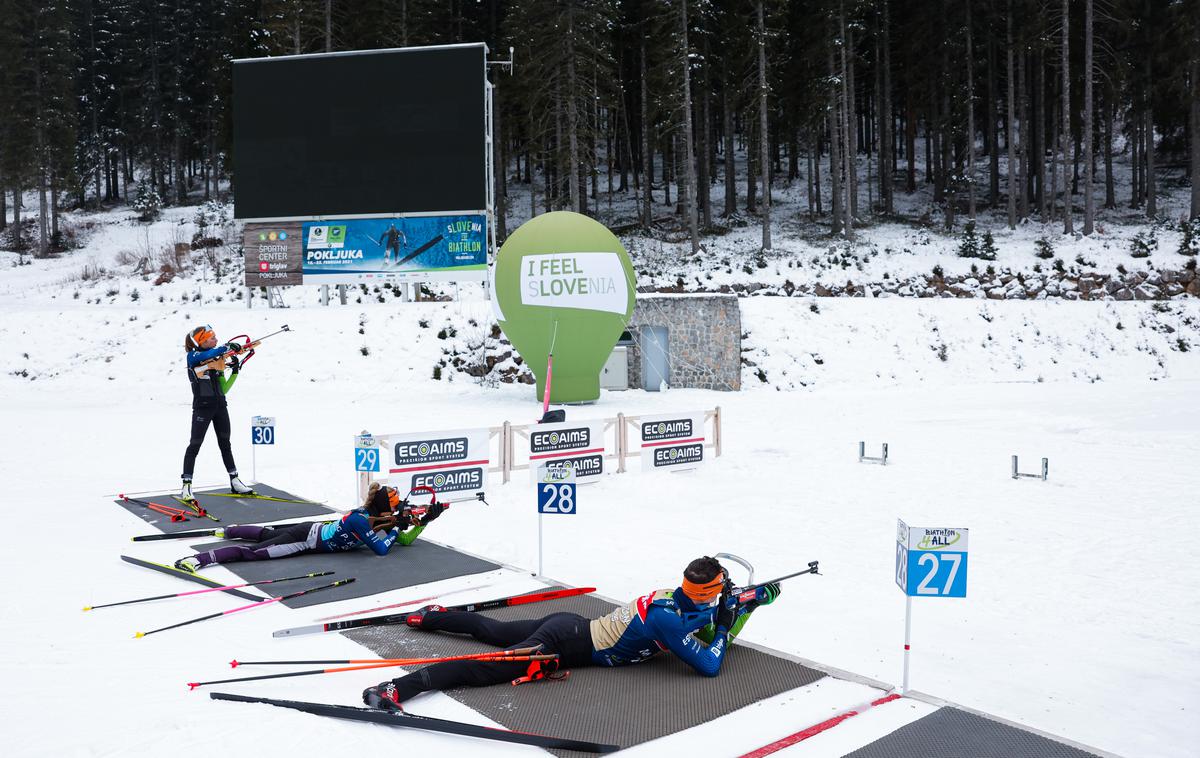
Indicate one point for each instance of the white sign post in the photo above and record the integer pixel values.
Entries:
(555, 492)
(262, 432)
(930, 562)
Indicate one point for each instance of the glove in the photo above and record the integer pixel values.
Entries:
(725, 614)
(768, 593)
(235, 364)
(234, 347)
(435, 510)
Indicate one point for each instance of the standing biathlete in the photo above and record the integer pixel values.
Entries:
(692, 621)
(377, 525)
(209, 405)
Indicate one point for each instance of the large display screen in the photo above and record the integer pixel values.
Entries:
(387, 131)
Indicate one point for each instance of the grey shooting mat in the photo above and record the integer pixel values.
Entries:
(624, 706)
(418, 563)
(230, 510)
(951, 733)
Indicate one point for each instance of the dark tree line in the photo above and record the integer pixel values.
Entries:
(1012, 105)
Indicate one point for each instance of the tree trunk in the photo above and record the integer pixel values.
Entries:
(727, 121)
(1135, 184)
(886, 121)
(1089, 202)
(910, 144)
(835, 157)
(764, 144)
(1195, 147)
(1065, 130)
(970, 118)
(1039, 131)
(573, 164)
(499, 169)
(705, 154)
(850, 120)
(1009, 127)
(688, 146)
(1148, 137)
(993, 134)
(1110, 195)
(1023, 136)
(647, 159)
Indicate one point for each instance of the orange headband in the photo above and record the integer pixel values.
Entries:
(202, 335)
(704, 593)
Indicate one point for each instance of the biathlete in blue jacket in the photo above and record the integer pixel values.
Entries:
(377, 525)
(693, 621)
(209, 388)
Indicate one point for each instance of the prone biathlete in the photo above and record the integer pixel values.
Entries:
(693, 621)
(209, 406)
(377, 525)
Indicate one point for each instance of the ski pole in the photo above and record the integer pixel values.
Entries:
(210, 589)
(258, 604)
(176, 514)
(381, 665)
(174, 536)
(490, 654)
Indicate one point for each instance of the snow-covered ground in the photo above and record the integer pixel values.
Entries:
(1082, 617)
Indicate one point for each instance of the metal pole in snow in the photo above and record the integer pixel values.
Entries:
(907, 639)
(539, 544)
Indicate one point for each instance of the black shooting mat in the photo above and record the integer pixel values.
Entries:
(419, 563)
(230, 510)
(626, 706)
(952, 733)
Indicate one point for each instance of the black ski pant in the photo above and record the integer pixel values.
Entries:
(567, 634)
(218, 416)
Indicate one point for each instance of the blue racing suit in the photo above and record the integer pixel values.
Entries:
(639, 630)
(354, 529)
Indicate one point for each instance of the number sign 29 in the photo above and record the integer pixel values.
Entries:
(931, 562)
(366, 459)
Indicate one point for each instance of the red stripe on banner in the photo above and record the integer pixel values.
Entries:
(672, 442)
(458, 464)
(566, 454)
(816, 729)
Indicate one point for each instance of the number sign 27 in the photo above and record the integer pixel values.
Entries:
(935, 574)
(556, 498)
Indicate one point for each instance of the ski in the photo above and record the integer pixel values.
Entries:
(418, 601)
(175, 535)
(172, 571)
(413, 721)
(419, 250)
(256, 604)
(398, 618)
(210, 589)
(256, 496)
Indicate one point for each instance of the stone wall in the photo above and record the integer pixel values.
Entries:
(704, 339)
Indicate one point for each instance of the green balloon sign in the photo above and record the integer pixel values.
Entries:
(563, 284)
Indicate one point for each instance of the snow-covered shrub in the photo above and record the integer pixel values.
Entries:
(482, 353)
(211, 216)
(1045, 249)
(1143, 243)
(147, 203)
(968, 245)
(1190, 244)
(987, 248)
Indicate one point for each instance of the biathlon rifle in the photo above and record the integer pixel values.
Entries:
(412, 513)
(235, 349)
(738, 596)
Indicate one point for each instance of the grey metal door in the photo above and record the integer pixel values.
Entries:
(656, 357)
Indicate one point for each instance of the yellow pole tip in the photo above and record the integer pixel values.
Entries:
(139, 634)
(87, 607)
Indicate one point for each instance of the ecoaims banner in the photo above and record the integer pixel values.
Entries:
(673, 442)
(563, 284)
(449, 462)
(579, 446)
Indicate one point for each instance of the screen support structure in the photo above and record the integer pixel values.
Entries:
(490, 153)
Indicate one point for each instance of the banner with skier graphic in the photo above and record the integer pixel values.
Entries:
(410, 248)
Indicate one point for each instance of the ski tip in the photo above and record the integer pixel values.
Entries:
(280, 633)
(233, 664)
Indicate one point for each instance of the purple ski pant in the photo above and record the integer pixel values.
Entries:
(269, 542)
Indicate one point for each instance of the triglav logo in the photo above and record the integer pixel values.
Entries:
(666, 430)
(678, 455)
(584, 465)
(431, 451)
(567, 439)
(450, 481)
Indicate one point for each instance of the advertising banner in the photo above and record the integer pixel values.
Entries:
(578, 446)
(450, 462)
(422, 248)
(673, 442)
(273, 254)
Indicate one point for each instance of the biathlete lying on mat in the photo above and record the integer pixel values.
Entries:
(377, 525)
(693, 621)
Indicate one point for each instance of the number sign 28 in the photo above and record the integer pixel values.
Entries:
(556, 498)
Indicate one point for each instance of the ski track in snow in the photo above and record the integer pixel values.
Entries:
(1082, 616)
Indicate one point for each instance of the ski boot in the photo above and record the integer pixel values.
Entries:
(185, 493)
(382, 696)
(238, 487)
(189, 564)
(415, 618)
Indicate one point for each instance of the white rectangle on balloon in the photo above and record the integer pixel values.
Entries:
(587, 281)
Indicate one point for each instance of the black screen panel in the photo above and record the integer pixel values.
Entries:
(390, 131)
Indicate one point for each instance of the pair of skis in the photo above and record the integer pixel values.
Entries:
(399, 618)
(425, 723)
(176, 514)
